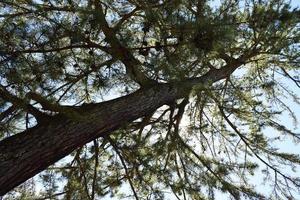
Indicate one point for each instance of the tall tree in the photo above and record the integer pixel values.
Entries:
(197, 89)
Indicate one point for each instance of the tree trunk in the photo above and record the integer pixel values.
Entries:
(25, 154)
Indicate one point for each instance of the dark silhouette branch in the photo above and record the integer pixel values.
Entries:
(124, 166)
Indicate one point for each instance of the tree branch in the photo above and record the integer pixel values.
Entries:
(120, 52)
(22, 104)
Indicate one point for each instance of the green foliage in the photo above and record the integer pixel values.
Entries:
(211, 142)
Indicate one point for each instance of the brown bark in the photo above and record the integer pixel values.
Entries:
(25, 154)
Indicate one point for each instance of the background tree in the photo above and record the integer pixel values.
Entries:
(184, 124)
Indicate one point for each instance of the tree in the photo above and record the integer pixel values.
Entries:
(196, 88)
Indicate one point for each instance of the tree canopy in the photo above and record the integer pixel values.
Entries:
(149, 99)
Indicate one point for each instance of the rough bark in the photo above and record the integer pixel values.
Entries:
(25, 154)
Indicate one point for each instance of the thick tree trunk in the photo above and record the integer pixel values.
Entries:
(25, 154)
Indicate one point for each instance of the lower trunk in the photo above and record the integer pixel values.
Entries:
(25, 154)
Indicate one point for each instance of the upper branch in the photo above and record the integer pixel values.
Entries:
(20, 103)
(121, 52)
